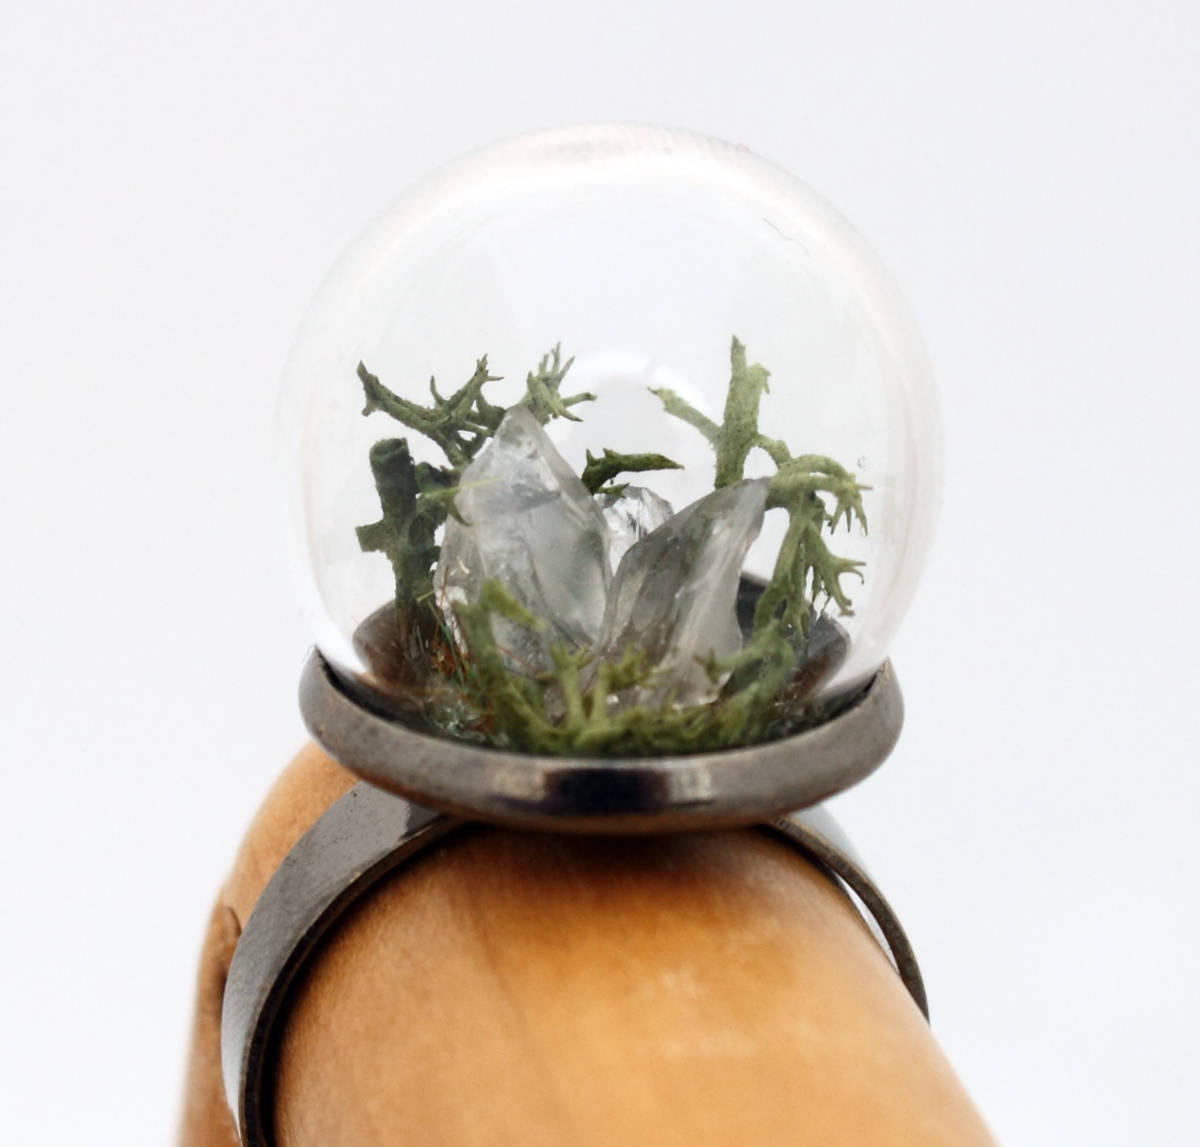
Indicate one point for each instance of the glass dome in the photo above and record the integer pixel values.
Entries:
(609, 441)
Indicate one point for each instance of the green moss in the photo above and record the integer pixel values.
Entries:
(567, 710)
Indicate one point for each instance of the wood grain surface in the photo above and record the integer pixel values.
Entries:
(511, 988)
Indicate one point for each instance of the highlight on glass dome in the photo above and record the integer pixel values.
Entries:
(610, 442)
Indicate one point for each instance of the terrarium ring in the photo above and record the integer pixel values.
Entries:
(615, 457)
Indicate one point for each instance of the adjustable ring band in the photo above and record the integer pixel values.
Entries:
(360, 839)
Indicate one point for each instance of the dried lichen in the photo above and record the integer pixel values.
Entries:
(806, 570)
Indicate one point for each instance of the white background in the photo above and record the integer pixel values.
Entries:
(174, 181)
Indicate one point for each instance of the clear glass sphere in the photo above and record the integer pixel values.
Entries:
(715, 313)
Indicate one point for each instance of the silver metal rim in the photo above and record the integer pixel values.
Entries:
(612, 795)
(360, 839)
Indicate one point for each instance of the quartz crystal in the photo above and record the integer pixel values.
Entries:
(529, 522)
(631, 515)
(674, 595)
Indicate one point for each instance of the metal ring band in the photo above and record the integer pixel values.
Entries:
(619, 795)
(360, 839)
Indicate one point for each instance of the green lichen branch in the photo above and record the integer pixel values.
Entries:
(738, 434)
(458, 425)
(816, 492)
(415, 498)
(599, 472)
(411, 515)
(807, 573)
(739, 431)
(542, 389)
(461, 424)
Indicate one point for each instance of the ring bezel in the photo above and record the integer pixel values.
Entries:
(611, 795)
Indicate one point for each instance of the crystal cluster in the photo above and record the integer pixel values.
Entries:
(607, 572)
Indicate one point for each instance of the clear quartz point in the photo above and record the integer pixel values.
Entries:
(631, 515)
(674, 595)
(530, 523)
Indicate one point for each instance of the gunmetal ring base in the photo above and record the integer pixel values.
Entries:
(611, 795)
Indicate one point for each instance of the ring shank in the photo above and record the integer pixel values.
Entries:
(364, 836)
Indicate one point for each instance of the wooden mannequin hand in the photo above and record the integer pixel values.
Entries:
(513, 988)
